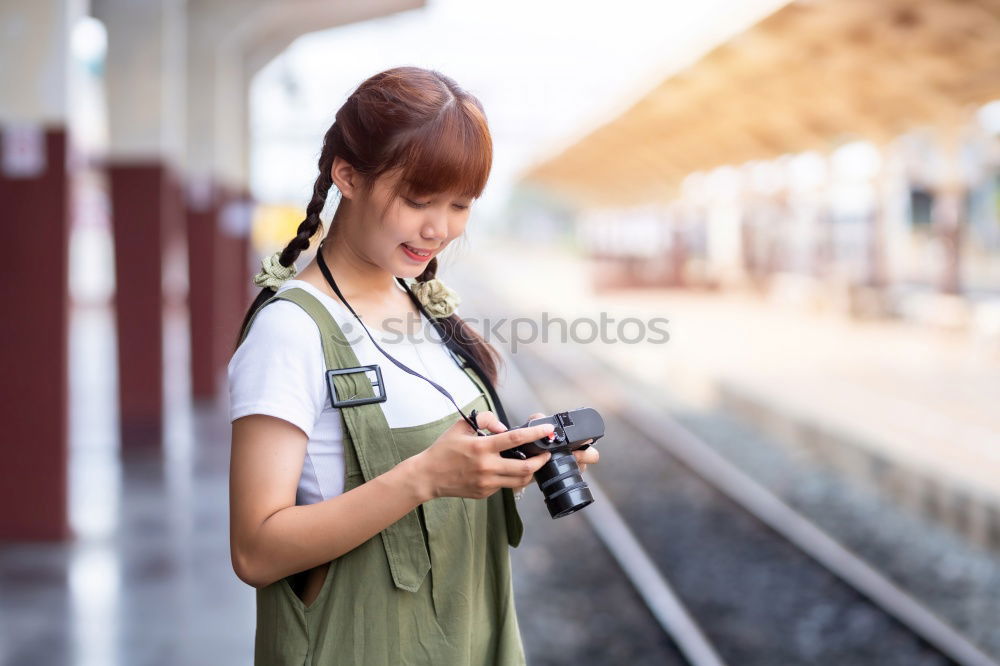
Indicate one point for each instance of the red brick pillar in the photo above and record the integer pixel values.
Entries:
(34, 208)
(233, 272)
(221, 272)
(202, 211)
(146, 219)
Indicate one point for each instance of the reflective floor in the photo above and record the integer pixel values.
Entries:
(147, 580)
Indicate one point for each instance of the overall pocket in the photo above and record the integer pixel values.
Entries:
(318, 588)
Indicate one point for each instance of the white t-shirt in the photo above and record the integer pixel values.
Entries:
(279, 370)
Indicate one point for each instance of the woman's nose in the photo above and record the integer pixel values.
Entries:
(436, 228)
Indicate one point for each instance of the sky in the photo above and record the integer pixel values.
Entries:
(546, 71)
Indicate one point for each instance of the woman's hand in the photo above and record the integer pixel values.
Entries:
(583, 457)
(461, 463)
(588, 456)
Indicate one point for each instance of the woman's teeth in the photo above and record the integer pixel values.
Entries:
(422, 253)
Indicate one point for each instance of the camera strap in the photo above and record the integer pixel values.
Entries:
(471, 418)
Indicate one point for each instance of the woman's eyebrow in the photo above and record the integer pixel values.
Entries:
(458, 198)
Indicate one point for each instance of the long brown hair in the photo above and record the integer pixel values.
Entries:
(420, 122)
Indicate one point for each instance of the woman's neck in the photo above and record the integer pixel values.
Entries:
(357, 278)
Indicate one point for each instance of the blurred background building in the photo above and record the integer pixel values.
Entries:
(809, 192)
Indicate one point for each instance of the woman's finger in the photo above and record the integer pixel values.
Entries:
(588, 455)
(513, 438)
(490, 421)
(520, 468)
(515, 483)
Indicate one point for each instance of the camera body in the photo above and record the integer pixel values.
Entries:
(559, 479)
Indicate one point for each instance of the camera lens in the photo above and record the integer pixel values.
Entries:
(562, 485)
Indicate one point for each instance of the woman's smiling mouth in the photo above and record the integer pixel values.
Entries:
(416, 253)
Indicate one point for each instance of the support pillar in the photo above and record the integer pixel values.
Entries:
(34, 210)
(219, 260)
(145, 85)
(232, 271)
(201, 218)
(948, 209)
(145, 222)
(217, 213)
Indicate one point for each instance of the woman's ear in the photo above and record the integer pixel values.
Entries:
(345, 177)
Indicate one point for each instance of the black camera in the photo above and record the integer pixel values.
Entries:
(559, 479)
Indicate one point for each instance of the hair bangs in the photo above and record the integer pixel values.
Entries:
(452, 154)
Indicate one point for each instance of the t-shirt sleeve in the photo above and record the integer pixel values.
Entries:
(279, 368)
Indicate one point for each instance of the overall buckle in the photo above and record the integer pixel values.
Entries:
(353, 401)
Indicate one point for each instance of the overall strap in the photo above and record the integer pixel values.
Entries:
(515, 529)
(370, 436)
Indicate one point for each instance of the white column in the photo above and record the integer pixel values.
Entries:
(145, 79)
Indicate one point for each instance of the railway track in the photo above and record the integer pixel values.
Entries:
(730, 572)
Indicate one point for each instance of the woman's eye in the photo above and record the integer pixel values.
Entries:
(418, 204)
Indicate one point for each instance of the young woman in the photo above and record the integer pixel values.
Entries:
(377, 532)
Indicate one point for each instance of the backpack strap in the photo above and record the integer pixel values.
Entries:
(369, 433)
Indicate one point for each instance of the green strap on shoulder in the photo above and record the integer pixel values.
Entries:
(370, 437)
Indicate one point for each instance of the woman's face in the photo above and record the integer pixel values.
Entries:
(413, 228)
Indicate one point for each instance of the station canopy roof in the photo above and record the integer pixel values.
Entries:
(808, 77)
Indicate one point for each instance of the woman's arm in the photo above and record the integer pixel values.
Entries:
(271, 538)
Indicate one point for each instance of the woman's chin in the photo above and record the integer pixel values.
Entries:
(408, 270)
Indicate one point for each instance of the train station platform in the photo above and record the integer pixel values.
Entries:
(909, 409)
(147, 579)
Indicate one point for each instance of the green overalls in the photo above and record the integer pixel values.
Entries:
(433, 588)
